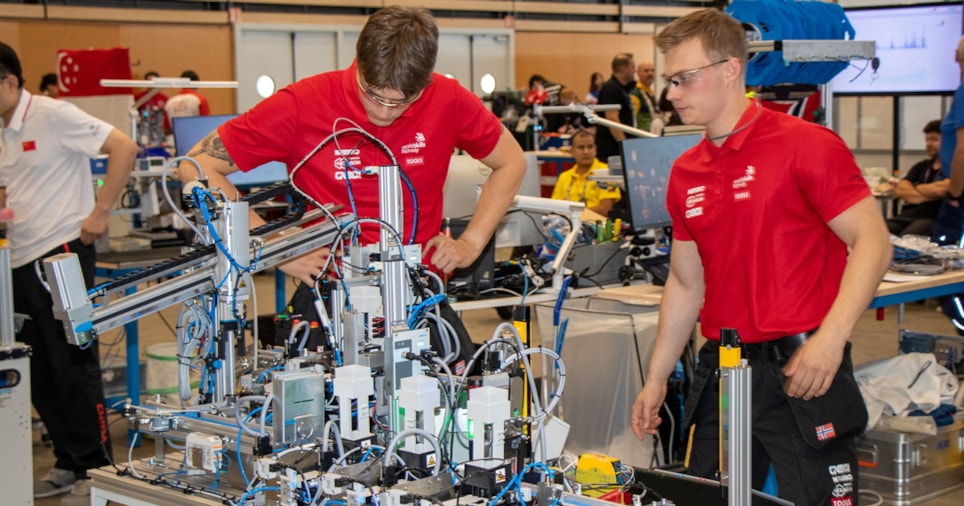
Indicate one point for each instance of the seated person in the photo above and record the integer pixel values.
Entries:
(922, 190)
(574, 184)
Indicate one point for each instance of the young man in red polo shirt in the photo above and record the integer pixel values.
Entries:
(764, 212)
(392, 92)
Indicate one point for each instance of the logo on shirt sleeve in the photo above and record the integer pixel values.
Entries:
(29, 146)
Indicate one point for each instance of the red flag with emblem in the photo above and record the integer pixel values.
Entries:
(79, 71)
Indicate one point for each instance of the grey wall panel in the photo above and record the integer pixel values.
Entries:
(291, 52)
(490, 53)
(454, 57)
(261, 52)
(315, 52)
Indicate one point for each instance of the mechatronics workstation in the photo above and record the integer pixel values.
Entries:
(270, 336)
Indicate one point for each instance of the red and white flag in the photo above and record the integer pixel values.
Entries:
(79, 72)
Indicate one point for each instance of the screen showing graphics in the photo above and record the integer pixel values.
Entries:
(190, 130)
(646, 167)
(915, 45)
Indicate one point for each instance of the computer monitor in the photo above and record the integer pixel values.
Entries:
(188, 131)
(461, 194)
(646, 169)
(915, 47)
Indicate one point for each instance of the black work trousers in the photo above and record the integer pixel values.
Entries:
(65, 380)
(806, 475)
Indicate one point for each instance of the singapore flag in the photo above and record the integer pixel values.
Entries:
(79, 72)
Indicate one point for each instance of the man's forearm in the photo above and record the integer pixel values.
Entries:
(215, 179)
(495, 199)
(933, 191)
(678, 312)
(508, 165)
(216, 163)
(907, 192)
(120, 162)
(866, 266)
(617, 134)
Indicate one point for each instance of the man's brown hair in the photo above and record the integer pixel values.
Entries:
(397, 49)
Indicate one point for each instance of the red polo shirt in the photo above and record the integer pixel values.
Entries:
(291, 123)
(757, 208)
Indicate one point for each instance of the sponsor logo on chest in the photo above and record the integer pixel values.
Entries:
(694, 199)
(349, 159)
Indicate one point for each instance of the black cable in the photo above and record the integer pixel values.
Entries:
(411, 188)
(601, 267)
(103, 445)
(130, 199)
(534, 222)
(590, 278)
(166, 323)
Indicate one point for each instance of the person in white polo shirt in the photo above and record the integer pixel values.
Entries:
(188, 102)
(45, 178)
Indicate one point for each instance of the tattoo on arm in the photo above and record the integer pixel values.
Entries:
(213, 147)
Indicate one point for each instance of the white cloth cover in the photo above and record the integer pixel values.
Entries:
(901, 384)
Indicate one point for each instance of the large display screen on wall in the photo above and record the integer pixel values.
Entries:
(915, 45)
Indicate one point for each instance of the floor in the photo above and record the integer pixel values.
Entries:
(873, 339)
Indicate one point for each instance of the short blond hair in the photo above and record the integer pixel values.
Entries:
(722, 36)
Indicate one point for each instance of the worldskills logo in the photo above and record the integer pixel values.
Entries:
(414, 147)
(414, 150)
(742, 184)
(744, 181)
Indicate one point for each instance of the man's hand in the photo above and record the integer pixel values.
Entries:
(450, 253)
(813, 366)
(645, 417)
(94, 226)
(307, 267)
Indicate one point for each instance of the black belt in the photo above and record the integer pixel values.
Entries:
(778, 350)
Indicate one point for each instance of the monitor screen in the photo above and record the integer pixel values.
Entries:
(188, 131)
(915, 45)
(646, 167)
(463, 184)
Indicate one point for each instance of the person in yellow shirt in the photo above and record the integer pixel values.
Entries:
(574, 184)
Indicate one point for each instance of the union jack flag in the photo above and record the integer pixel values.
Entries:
(825, 432)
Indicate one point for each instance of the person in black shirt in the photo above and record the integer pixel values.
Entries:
(616, 91)
(921, 190)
